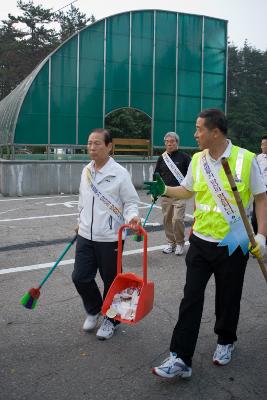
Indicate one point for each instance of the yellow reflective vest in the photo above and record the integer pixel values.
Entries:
(209, 220)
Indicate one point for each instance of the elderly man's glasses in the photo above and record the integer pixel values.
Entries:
(170, 141)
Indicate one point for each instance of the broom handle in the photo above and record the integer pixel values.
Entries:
(242, 213)
(149, 211)
(58, 261)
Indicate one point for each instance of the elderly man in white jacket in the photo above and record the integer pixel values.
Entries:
(107, 199)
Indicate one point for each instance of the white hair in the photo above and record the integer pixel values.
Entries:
(173, 135)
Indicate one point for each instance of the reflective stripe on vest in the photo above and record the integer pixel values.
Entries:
(238, 166)
(206, 207)
(238, 171)
(209, 221)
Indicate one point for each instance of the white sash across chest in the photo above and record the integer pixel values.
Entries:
(112, 208)
(237, 235)
(228, 208)
(172, 167)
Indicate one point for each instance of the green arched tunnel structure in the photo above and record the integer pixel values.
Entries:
(167, 64)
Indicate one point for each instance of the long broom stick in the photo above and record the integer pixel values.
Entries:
(242, 213)
(29, 299)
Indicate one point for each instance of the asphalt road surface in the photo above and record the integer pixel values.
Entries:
(44, 354)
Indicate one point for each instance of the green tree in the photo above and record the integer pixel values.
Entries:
(10, 74)
(128, 122)
(71, 21)
(25, 40)
(247, 95)
(34, 34)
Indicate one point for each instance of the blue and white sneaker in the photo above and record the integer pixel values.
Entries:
(171, 367)
(223, 354)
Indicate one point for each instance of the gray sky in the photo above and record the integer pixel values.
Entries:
(247, 18)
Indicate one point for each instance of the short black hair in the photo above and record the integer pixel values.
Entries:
(106, 134)
(214, 118)
(264, 137)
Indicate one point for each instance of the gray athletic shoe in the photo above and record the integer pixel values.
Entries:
(90, 322)
(106, 330)
(172, 367)
(168, 249)
(223, 354)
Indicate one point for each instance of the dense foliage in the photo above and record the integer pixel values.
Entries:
(247, 96)
(25, 40)
(128, 121)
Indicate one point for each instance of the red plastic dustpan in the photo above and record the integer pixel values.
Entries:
(127, 280)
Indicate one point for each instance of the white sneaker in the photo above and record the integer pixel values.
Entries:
(179, 249)
(90, 322)
(171, 367)
(106, 330)
(168, 249)
(223, 354)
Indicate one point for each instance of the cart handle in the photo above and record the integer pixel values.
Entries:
(119, 258)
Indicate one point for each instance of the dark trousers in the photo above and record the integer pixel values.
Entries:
(204, 259)
(91, 257)
(254, 219)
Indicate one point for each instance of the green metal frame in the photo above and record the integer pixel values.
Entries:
(126, 60)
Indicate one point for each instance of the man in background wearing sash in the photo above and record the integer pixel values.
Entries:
(172, 166)
(107, 199)
(218, 244)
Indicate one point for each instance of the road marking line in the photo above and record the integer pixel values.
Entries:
(73, 203)
(13, 209)
(71, 261)
(54, 216)
(68, 204)
(38, 198)
(189, 216)
(147, 204)
(150, 223)
(39, 217)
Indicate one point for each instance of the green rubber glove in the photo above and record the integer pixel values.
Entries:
(156, 188)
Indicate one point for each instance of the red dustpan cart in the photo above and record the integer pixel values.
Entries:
(127, 280)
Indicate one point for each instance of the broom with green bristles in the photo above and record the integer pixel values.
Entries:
(29, 299)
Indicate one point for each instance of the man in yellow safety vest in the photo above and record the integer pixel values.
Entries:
(219, 242)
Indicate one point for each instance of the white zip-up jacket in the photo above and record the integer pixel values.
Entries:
(95, 222)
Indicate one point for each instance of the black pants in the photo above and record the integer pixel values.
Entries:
(89, 258)
(254, 219)
(204, 259)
